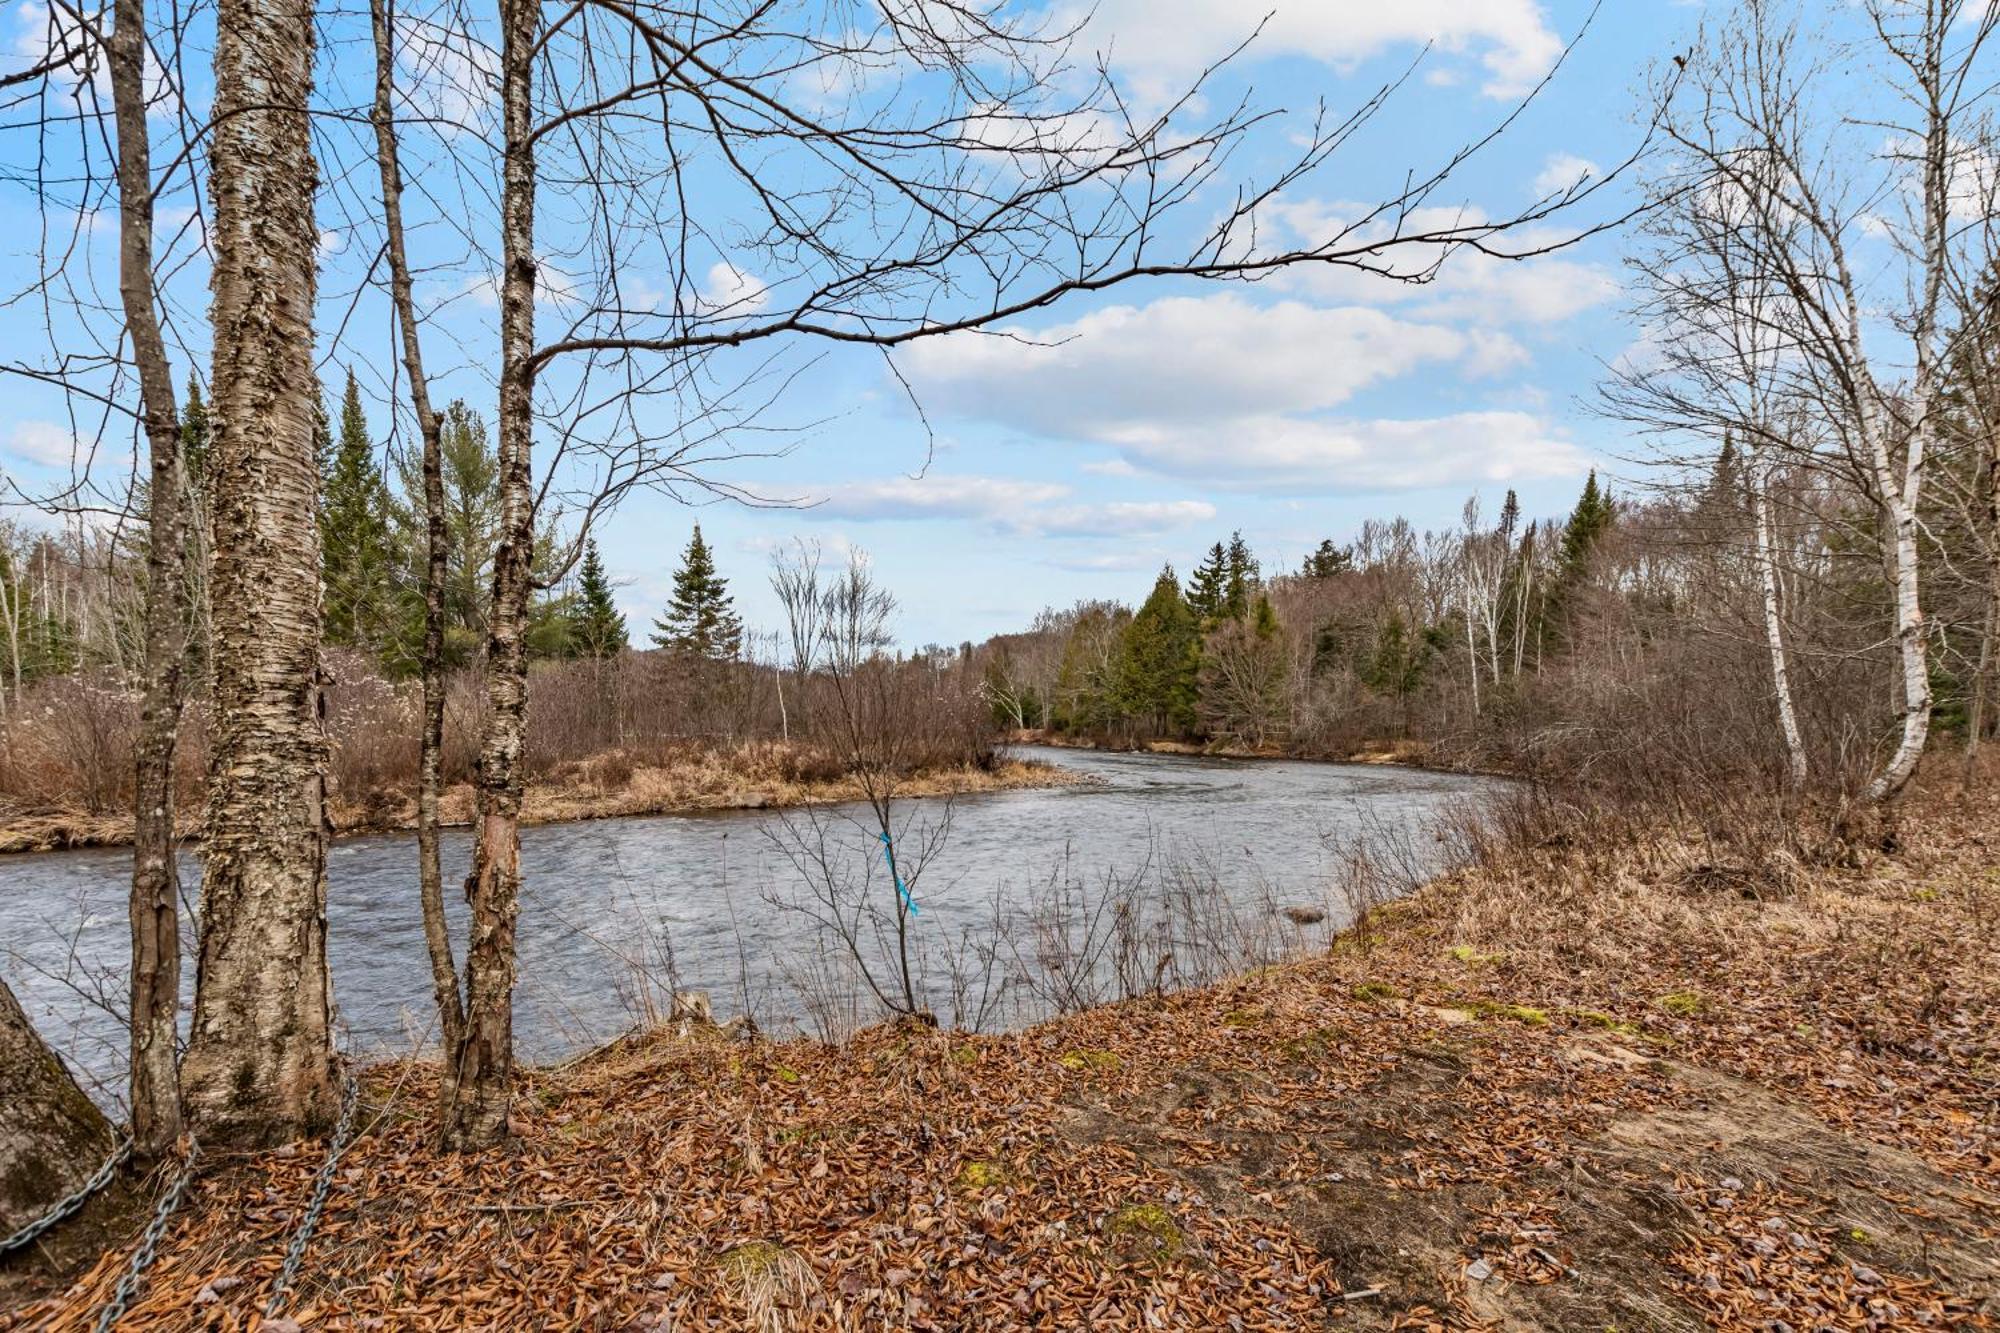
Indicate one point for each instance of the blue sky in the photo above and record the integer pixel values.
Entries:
(1122, 430)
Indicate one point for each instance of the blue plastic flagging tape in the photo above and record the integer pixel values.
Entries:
(889, 855)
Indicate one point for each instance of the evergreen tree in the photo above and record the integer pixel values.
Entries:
(1207, 589)
(471, 475)
(700, 619)
(1158, 659)
(355, 559)
(597, 629)
(1586, 528)
(194, 438)
(1239, 577)
(1328, 561)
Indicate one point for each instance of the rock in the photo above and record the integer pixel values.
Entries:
(1732, 1185)
(740, 1028)
(1304, 916)
(1478, 1271)
(1866, 1276)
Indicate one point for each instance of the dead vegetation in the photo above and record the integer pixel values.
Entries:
(1581, 1085)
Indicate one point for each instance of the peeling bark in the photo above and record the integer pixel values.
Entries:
(430, 779)
(52, 1137)
(259, 1067)
(155, 899)
(1774, 638)
(483, 1060)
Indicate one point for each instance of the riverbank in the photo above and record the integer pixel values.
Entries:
(1584, 1086)
(1400, 753)
(752, 776)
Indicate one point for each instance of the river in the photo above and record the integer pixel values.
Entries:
(1164, 870)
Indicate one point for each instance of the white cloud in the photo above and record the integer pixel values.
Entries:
(1161, 43)
(1186, 358)
(1563, 171)
(1219, 391)
(1006, 505)
(43, 443)
(733, 292)
(1111, 467)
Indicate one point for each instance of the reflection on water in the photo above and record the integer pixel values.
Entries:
(614, 909)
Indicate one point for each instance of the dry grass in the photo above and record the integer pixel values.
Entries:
(1574, 1087)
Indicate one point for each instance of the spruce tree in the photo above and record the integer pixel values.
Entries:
(194, 437)
(1205, 589)
(1239, 577)
(1328, 560)
(354, 535)
(1586, 527)
(596, 627)
(1159, 659)
(700, 619)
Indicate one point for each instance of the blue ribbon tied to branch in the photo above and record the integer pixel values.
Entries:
(889, 856)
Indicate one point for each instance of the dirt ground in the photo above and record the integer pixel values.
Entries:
(1591, 1089)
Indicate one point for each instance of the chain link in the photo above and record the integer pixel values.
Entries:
(149, 1243)
(65, 1206)
(322, 1187)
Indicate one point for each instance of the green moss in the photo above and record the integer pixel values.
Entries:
(1088, 1059)
(1685, 1003)
(1597, 1018)
(785, 1074)
(965, 1055)
(1925, 895)
(1520, 1013)
(1376, 990)
(1147, 1232)
(752, 1259)
(1465, 953)
(1316, 1042)
(1243, 1018)
(983, 1174)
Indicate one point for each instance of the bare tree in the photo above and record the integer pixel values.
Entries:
(437, 547)
(1772, 196)
(259, 1065)
(156, 945)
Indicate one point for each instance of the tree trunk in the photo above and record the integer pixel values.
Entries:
(430, 779)
(259, 1067)
(52, 1137)
(484, 1058)
(156, 948)
(1767, 572)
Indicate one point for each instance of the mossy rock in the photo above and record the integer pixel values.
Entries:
(1376, 990)
(1083, 1059)
(1145, 1233)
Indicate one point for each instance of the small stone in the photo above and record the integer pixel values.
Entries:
(1732, 1184)
(1478, 1270)
(1866, 1276)
(665, 1280)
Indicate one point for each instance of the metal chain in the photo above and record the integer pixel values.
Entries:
(149, 1243)
(64, 1207)
(321, 1188)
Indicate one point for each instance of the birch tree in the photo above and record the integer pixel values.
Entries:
(1818, 233)
(259, 1064)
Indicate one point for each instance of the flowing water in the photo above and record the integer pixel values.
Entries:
(617, 913)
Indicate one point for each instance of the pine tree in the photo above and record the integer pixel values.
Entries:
(1158, 659)
(1586, 527)
(354, 535)
(194, 437)
(700, 619)
(597, 629)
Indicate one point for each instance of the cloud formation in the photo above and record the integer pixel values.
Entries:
(1005, 505)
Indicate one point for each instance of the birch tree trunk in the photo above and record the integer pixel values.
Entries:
(156, 949)
(484, 1057)
(1781, 679)
(430, 779)
(52, 1136)
(259, 1065)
